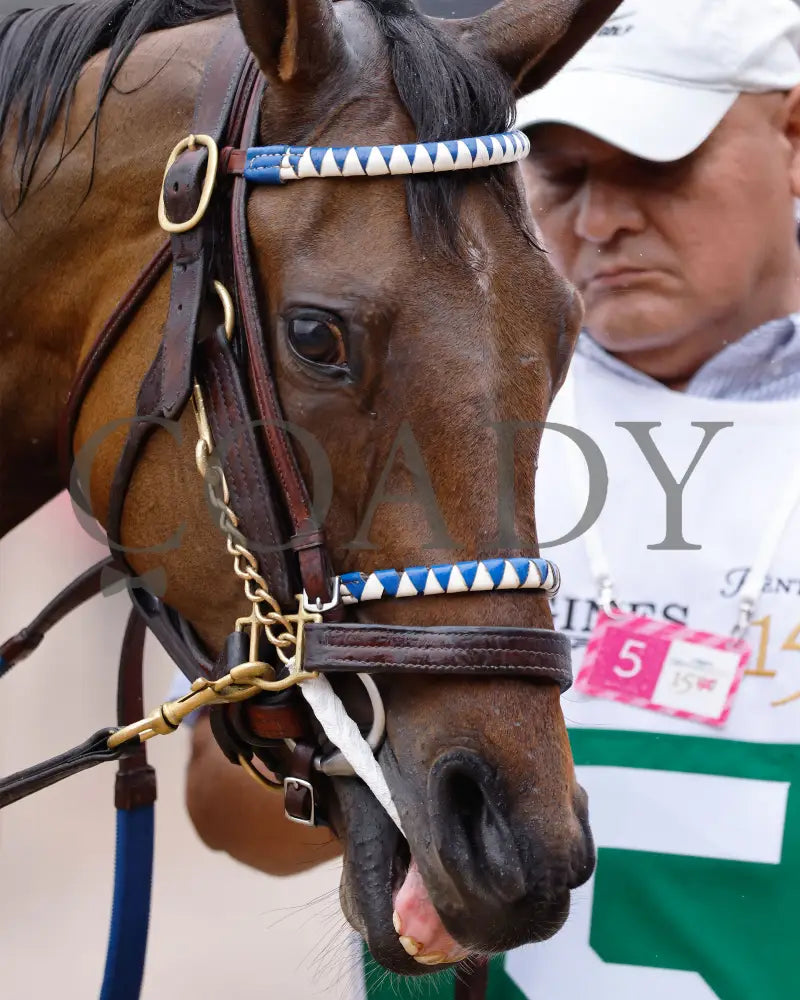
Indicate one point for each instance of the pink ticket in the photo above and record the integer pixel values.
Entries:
(663, 666)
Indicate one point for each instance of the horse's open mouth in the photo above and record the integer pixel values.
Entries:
(419, 927)
(382, 876)
(517, 891)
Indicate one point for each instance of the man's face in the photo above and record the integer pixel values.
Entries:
(662, 252)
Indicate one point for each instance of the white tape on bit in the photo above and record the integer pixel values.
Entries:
(342, 731)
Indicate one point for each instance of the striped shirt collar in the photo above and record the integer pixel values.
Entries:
(762, 366)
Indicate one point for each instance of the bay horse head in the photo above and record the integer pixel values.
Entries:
(417, 319)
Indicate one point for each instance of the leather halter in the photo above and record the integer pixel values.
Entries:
(265, 484)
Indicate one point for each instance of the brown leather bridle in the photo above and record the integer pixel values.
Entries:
(265, 487)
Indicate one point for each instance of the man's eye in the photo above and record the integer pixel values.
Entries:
(569, 178)
(317, 339)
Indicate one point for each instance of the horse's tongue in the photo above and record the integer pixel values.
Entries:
(417, 923)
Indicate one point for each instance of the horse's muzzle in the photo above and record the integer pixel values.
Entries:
(508, 885)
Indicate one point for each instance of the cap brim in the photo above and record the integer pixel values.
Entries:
(651, 119)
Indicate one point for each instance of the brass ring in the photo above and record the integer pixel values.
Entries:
(227, 307)
(190, 142)
(256, 775)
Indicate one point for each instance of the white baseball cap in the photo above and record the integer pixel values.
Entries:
(660, 75)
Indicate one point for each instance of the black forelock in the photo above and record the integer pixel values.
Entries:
(449, 92)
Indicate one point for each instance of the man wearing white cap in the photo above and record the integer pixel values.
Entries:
(664, 170)
(691, 103)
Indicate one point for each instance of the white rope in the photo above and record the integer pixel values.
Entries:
(342, 731)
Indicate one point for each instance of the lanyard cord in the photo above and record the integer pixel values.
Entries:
(754, 584)
(599, 566)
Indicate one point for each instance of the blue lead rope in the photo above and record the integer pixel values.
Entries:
(130, 913)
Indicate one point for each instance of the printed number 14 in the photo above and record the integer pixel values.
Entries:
(792, 644)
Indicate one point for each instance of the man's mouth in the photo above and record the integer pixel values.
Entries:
(616, 277)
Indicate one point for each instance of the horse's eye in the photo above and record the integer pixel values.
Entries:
(317, 339)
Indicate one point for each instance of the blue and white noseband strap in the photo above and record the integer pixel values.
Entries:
(451, 578)
(278, 164)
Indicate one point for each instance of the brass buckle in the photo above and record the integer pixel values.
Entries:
(309, 820)
(190, 142)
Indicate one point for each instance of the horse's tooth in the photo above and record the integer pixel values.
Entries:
(410, 946)
(435, 958)
(398, 923)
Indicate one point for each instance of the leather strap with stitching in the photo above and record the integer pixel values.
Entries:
(167, 385)
(32, 779)
(136, 779)
(238, 448)
(165, 625)
(308, 538)
(136, 782)
(537, 654)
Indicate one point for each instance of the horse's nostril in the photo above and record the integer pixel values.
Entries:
(474, 838)
(468, 806)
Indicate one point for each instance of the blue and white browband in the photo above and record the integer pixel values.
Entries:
(451, 578)
(278, 164)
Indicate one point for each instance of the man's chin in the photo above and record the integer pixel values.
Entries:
(629, 321)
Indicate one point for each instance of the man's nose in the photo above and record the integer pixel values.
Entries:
(606, 209)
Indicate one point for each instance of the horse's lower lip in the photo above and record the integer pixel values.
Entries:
(419, 925)
(393, 954)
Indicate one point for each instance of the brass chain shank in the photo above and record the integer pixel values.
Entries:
(282, 631)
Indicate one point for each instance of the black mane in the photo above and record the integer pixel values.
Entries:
(447, 92)
(42, 52)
